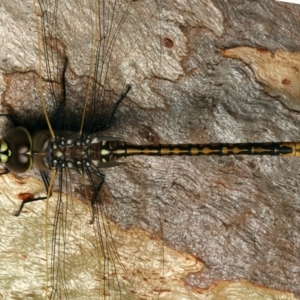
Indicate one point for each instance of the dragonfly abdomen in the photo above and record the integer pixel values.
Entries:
(282, 149)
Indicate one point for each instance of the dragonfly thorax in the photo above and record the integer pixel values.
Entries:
(69, 152)
(73, 151)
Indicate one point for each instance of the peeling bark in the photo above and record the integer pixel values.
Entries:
(229, 73)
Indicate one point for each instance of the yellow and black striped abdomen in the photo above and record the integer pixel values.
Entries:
(103, 152)
(282, 149)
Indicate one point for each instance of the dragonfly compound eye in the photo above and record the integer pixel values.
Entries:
(4, 151)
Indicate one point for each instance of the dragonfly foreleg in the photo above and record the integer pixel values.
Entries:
(9, 118)
(46, 183)
(6, 171)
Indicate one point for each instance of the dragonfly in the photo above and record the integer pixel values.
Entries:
(111, 149)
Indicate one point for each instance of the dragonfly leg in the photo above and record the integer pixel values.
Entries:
(96, 192)
(17, 213)
(46, 183)
(6, 171)
(62, 105)
(9, 118)
(108, 121)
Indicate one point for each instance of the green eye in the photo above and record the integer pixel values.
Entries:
(3, 146)
(3, 158)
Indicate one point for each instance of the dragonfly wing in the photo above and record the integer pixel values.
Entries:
(90, 256)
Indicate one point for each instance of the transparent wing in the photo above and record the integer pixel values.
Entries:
(89, 65)
(108, 46)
